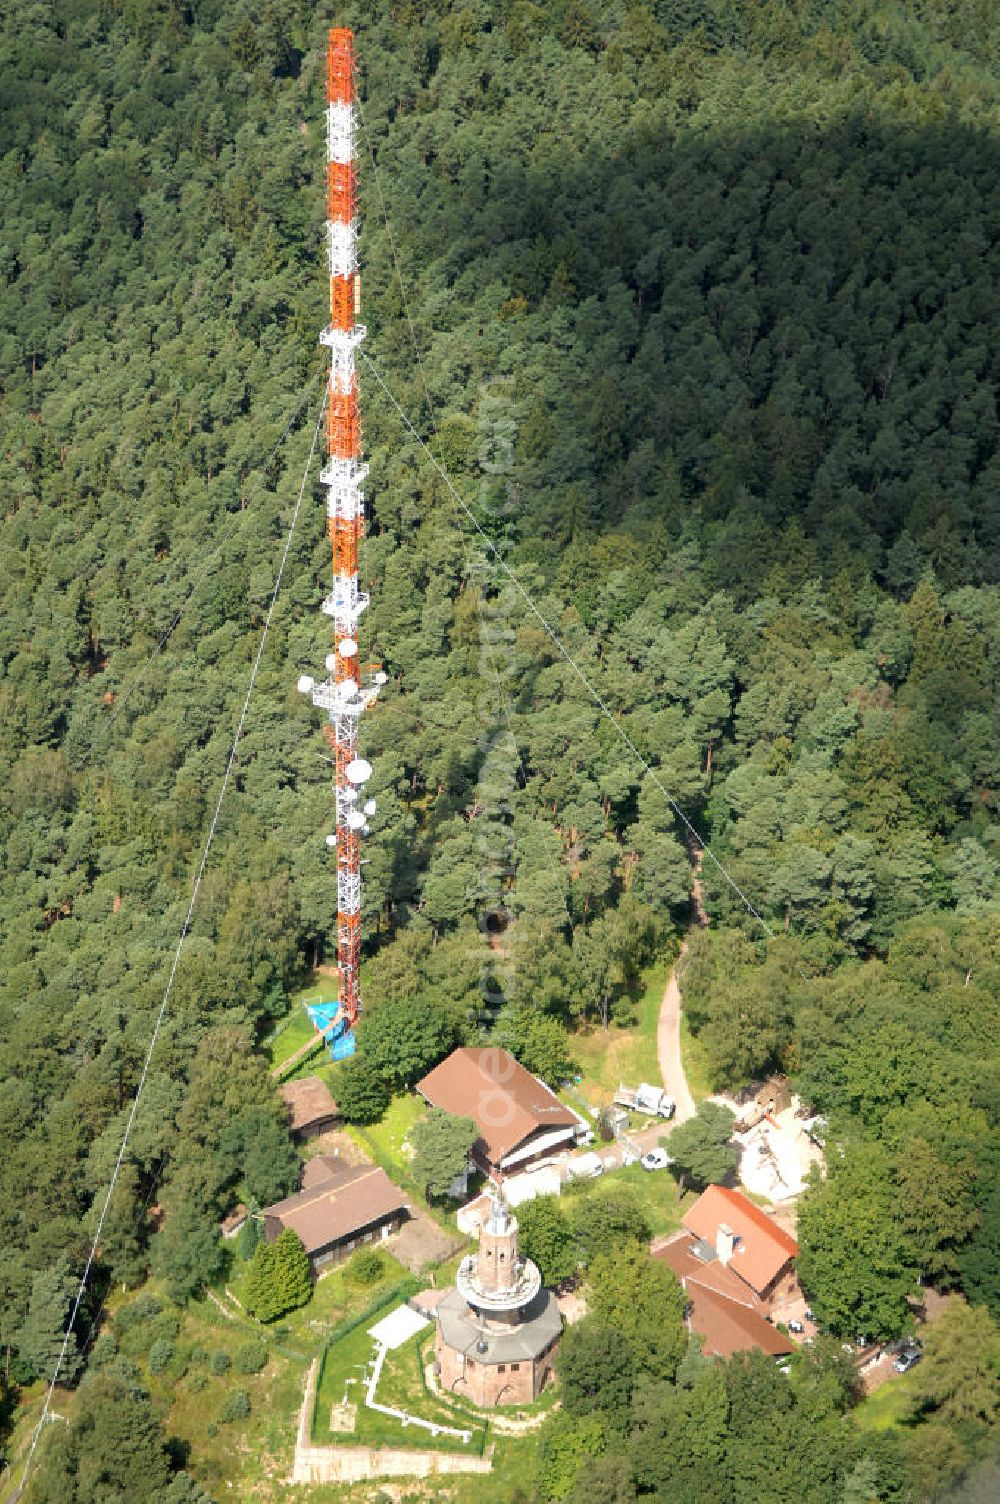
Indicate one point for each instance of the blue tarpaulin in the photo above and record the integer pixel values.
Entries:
(343, 1046)
(323, 1015)
(330, 1022)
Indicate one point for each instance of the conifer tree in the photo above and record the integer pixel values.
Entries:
(279, 1279)
(40, 1339)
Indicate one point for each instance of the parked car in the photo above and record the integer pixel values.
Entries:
(796, 1326)
(655, 1159)
(906, 1360)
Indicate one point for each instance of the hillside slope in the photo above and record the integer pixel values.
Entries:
(705, 300)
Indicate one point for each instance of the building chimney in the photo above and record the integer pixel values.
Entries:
(725, 1243)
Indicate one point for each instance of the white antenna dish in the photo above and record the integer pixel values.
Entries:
(331, 840)
(347, 647)
(381, 678)
(356, 820)
(306, 685)
(359, 771)
(331, 661)
(349, 795)
(370, 806)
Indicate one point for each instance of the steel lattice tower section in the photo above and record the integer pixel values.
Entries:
(346, 693)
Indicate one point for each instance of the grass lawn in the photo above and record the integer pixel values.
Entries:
(608, 1057)
(335, 1298)
(888, 1406)
(385, 1139)
(246, 1459)
(656, 1190)
(384, 1142)
(296, 1028)
(344, 1368)
(240, 1457)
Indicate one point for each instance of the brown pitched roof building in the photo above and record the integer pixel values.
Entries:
(335, 1212)
(735, 1265)
(760, 1252)
(723, 1310)
(518, 1117)
(311, 1109)
(726, 1327)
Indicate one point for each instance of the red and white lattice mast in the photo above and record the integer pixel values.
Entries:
(347, 692)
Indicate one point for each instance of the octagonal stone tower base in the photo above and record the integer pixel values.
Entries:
(498, 1330)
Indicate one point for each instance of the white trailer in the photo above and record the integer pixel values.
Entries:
(652, 1100)
(584, 1166)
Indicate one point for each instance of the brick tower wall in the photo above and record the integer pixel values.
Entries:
(496, 1258)
(492, 1384)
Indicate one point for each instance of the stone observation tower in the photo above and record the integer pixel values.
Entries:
(497, 1330)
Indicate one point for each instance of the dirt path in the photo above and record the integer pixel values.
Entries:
(668, 1047)
(668, 1028)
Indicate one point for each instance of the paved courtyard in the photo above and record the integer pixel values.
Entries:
(420, 1242)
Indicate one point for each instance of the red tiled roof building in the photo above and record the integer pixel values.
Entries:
(736, 1266)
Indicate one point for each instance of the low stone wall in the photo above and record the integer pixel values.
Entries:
(314, 1464)
(356, 1464)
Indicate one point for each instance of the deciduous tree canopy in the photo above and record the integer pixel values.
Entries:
(706, 303)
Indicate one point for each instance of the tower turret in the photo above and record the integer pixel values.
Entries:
(495, 1281)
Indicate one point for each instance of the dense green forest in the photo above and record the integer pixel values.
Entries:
(697, 302)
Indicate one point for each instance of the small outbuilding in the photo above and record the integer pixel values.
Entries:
(230, 1226)
(349, 1206)
(310, 1106)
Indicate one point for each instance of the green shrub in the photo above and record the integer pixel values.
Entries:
(366, 1267)
(105, 1351)
(248, 1237)
(140, 1336)
(211, 1429)
(199, 1354)
(122, 1370)
(251, 1358)
(236, 1406)
(167, 1325)
(220, 1363)
(139, 1311)
(160, 1354)
(197, 1382)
